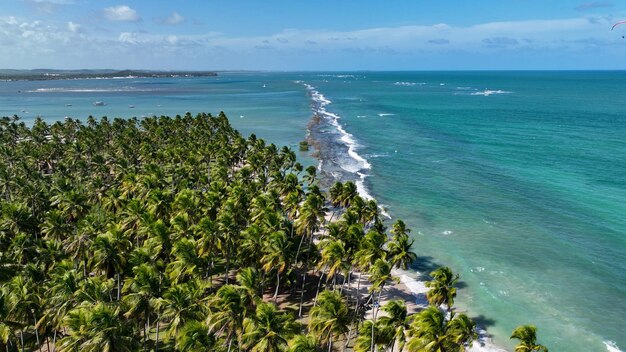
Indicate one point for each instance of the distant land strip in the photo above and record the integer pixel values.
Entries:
(46, 75)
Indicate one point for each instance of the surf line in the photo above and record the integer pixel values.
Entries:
(358, 165)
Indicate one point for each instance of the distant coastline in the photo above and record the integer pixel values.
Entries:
(48, 75)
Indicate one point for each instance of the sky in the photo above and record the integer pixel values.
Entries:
(291, 35)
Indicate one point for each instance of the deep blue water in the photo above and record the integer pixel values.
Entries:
(516, 180)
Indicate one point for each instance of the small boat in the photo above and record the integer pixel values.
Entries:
(131, 106)
(98, 103)
(68, 104)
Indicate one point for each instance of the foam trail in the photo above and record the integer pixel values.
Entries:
(361, 164)
(611, 346)
(488, 92)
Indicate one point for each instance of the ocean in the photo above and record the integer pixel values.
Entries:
(516, 180)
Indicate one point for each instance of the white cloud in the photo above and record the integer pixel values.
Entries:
(128, 37)
(48, 6)
(174, 19)
(73, 27)
(34, 43)
(121, 13)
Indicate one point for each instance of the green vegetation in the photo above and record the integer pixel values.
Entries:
(178, 234)
(304, 146)
(47, 75)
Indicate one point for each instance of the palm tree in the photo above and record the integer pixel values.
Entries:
(276, 256)
(367, 342)
(303, 343)
(227, 311)
(442, 290)
(330, 318)
(98, 328)
(268, 330)
(399, 248)
(109, 249)
(463, 330)
(380, 274)
(141, 296)
(527, 336)
(195, 337)
(182, 303)
(429, 332)
(23, 297)
(395, 323)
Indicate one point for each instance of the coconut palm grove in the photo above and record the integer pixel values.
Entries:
(180, 234)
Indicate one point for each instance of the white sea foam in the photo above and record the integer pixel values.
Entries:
(446, 232)
(409, 84)
(385, 114)
(488, 92)
(349, 141)
(611, 346)
(418, 288)
(87, 90)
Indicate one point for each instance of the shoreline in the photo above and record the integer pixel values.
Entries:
(408, 287)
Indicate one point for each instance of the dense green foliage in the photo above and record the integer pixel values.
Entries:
(178, 234)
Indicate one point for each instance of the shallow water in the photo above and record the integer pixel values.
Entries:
(517, 180)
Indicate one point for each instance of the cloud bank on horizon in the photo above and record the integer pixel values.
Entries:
(175, 35)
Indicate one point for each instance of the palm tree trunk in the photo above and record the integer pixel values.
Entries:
(330, 343)
(156, 346)
(54, 340)
(345, 347)
(36, 330)
(22, 339)
(119, 288)
(48, 343)
(277, 285)
(227, 266)
(145, 336)
(358, 296)
(345, 276)
(319, 283)
(302, 295)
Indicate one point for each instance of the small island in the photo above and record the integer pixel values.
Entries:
(47, 75)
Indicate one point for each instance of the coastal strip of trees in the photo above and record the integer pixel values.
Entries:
(179, 234)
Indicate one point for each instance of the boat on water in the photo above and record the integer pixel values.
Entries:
(131, 106)
(98, 103)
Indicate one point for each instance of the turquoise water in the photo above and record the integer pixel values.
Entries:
(516, 180)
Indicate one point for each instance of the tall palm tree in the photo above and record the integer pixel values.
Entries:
(463, 330)
(399, 248)
(276, 253)
(98, 328)
(182, 303)
(395, 323)
(429, 333)
(527, 336)
(442, 290)
(268, 330)
(141, 296)
(303, 343)
(195, 337)
(329, 319)
(380, 274)
(227, 311)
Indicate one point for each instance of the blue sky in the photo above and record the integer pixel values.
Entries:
(313, 35)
